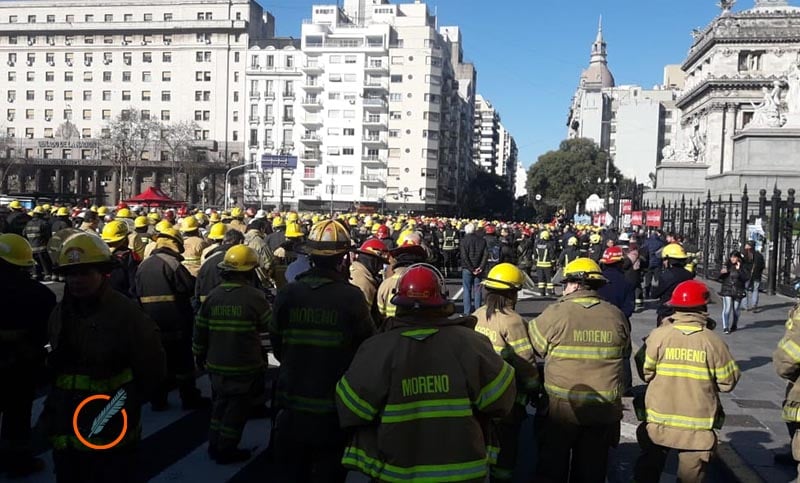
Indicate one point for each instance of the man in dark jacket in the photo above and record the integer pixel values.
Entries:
(473, 264)
(651, 249)
(673, 273)
(165, 288)
(17, 219)
(210, 274)
(123, 275)
(618, 291)
(23, 334)
(754, 266)
(38, 233)
(61, 220)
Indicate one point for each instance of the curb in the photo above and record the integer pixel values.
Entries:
(734, 467)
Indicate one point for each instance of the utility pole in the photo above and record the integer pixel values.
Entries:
(332, 186)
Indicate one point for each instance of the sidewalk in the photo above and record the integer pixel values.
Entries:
(753, 426)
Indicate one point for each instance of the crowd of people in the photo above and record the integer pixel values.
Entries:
(379, 372)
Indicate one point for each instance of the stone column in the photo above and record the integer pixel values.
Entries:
(97, 188)
(136, 184)
(211, 197)
(156, 181)
(37, 180)
(731, 111)
(115, 194)
(76, 175)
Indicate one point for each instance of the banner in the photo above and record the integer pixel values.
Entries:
(269, 161)
(627, 207)
(636, 218)
(654, 218)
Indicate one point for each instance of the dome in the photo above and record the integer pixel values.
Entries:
(597, 75)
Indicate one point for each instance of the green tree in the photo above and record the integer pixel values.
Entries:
(488, 197)
(569, 175)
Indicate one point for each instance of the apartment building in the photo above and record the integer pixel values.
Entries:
(69, 67)
(507, 157)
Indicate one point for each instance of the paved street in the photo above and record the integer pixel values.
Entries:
(174, 447)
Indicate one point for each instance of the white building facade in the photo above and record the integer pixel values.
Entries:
(87, 61)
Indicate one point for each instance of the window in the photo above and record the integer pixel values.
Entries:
(88, 39)
(397, 78)
(333, 131)
(347, 152)
(126, 76)
(106, 114)
(86, 153)
(397, 59)
(431, 116)
(29, 114)
(350, 59)
(87, 114)
(147, 57)
(235, 136)
(88, 17)
(288, 113)
(126, 95)
(12, 76)
(48, 95)
(395, 115)
(68, 76)
(166, 96)
(87, 95)
(148, 17)
(108, 17)
(30, 95)
(331, 169)
(166, 57)
(87, 76)
(12, 19)
(128, 17)
(433, 79)
(394, 133)
(165, 115)
(126, 58)
(349, 77)
(348, 114)
(145, 114)
(289, 61)
(48, 132)
(166, 76)
(167, 39)
(67, 114)
(347, 170)
(106, 76)
(146, 76)
(335, 59)
(349, 131)
(145, 95)
(70, 18)
(67, 95)
(335, 77)
(167, 17)
(47, 153)
(106, 95)
(32, 18)
(107, 57)
(236, 57)
(108, 39)
(30, 76)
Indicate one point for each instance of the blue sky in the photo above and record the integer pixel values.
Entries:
(530, 53)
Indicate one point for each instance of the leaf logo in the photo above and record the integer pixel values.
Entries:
(113, 407)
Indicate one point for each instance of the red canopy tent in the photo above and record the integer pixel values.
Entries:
(154, 197)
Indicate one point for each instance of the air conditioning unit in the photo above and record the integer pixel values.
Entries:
(106, 61)
(30, 42)
(11, 100)
(144, 42)
(167, 42)
(48, 119)
(30, 63)
(69, 63)
(10, 63)
(68, 42)
(87, 63)
(124, 42)
(208, 41)
(52, 42)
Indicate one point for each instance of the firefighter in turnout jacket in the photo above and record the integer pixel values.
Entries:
(165, 288)
(210, 275)
(786, 360)
(193, 245)
(23, 335)
(366, 268)
(584, 341)
(450, 241)
(421, 395)
(38, 233)
(686, 366)
(408, 253)
(215, 235)
(545, 259)
(102, 345)
(123, 275)
(508, 334)
(227, 341)
(318, 323)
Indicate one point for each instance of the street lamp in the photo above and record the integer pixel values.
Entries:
(609, 184)
(332, 187)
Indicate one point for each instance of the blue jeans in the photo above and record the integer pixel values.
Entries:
(730, 312)
(752, 298)
(472, 291)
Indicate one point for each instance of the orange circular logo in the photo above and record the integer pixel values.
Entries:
(99, 422)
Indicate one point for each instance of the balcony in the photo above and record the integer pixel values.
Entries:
(288, 193)
(312, 121)
(254, 119)
(270, 96)
(311, 103)
(269, 120)
(310, 179)
(377, 67)
(288, 120)
(311, 158)
(374, 121)
(374, 104)
(311, 139)
(255, 95)
(374, 161)
(376, 86)
(288, 95)
(313, 68)
(375, 141)
(374, 179)
(312, 86)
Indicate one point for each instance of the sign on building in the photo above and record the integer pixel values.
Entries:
(271, 161)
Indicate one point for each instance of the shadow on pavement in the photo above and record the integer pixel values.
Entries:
(754, 362)
(761, 324)
(784, 305)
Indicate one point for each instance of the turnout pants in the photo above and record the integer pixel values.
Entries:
(44, 264)
(15, 408)
(114, 465)
(233, 400)
(180, 369)
(692, 465)
(508, 436)
(544, 280)
(304, 458)
(574, 453)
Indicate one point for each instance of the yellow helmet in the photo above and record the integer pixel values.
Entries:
(583, 270)
(63, 211)
(154, 217)
(115, 231)
(353, 221)
(46, 207)
(16, 250)
(545, 235)
(376, 227)
(572, 242)
(83, 249)
(200, 217)
(189, 224)
(397, 226)
(123, 213)
(505, 276)
(315, 219)
(595, 239)
(239, 258)
(226, 216)
(93, 208)
(292, 216)
(217, 231)
(15, 205)
(675, 251)
(141, 222)
(237, 212)
(327, 238)
(163, 225)
(103, 211)
(38, 210)
(172, 234)
(277, 222)
(214, 218)
(293, 231)
(403, 236)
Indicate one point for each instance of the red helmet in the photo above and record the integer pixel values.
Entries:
(421, 286)
(489, 229)
(383, 232)
(182, 211)
(612, 255)
(170, 215)
(122, 205)
(690, 294)
(373, 247)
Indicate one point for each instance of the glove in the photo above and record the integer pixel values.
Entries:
(200, 362)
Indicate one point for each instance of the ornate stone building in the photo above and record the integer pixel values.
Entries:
(740, 109)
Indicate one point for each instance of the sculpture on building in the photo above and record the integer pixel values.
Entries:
(793, 94)
(768, 114)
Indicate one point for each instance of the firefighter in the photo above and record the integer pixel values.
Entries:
(141, 226)
(89, 222)
(450, 241)
(193, 244)
(165, 289)
(23, 335)
(160, 226)
(584, 341)
(227, 342)
(102, 344)
(427, 376)
(508, 334)
(299, 261)
(61, 220)
(569, 254)
(672, 274)
(596, 247)
(255, 238)
(409, 252)
(786, 360)
(123, 274)
(686, 366)
(210, 275)
(366, 268)
(17, 219)
(134, 241)
(318, 323)
(524, 251)
(545, 254)
(237, 220)
(38, 233)
(215, 236)
(278, 235)
(384, 236)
